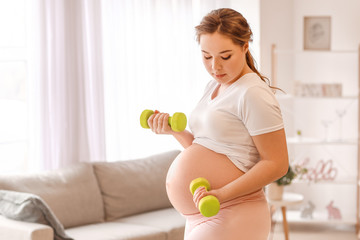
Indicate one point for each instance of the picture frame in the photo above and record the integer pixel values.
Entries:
(317, 33)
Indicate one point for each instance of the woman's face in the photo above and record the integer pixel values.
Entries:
(223, 59)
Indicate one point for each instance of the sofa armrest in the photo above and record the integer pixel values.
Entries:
(17, 230)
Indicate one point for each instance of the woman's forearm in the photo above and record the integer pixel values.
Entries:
(185, 138)
(274, 164)
(263, 173)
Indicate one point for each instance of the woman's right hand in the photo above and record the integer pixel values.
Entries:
(159, 123)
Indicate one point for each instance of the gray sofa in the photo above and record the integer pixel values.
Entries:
(92, 201)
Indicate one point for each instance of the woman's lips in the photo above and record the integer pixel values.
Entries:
(219, 75)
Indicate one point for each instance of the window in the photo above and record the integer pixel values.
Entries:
(13, 86)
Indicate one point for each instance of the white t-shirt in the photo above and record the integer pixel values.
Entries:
(225, 124)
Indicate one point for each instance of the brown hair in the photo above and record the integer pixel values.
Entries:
(232, 24)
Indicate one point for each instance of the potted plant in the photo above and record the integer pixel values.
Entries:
(275, 190)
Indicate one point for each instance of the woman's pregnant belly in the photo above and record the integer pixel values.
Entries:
(197, 161)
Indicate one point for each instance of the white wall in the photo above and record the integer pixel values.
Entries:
(276, 27)
(345, 19)
(281, 23)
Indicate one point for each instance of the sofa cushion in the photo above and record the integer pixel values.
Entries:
(72, 193)
(167, 220)
(30, 208)
(134, 186)
(115, 231)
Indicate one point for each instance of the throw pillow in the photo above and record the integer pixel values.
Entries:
(30, 208)
(72, 192)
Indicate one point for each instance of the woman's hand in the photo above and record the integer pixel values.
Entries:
(159, 123)
(201, 192)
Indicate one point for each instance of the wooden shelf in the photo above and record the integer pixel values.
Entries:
(303, 52)
(293, 97)
(348, 181)
(294, 216)
(315, 141)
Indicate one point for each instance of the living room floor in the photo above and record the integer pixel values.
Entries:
(315, 232)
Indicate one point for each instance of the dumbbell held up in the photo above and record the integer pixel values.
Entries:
(208, 206)
(177, 122)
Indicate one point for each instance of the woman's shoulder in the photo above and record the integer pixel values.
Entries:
(250, 81)
(252, 87)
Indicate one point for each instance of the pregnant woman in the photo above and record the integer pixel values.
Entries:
(237, 139)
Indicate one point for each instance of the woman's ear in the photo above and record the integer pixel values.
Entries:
(245, 47)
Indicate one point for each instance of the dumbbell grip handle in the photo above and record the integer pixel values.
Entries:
(169, 120)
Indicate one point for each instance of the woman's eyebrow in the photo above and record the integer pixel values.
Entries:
(225, 51)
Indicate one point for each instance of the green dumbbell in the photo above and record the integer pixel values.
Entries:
(177, 122)
(208, 206)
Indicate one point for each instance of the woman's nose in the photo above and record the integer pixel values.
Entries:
(216, 65)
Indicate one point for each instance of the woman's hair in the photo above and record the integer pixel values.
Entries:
(232, 24)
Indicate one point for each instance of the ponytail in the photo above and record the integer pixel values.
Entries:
(252, 64)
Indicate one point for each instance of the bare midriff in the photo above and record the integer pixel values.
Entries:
(197, 161)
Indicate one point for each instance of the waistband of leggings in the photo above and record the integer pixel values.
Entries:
(258, 195)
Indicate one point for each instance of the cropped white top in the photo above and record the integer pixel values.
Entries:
(225, 124)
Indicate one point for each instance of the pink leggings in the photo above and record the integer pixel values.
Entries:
(244, 218)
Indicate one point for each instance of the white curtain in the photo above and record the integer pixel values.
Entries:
(152, 61)
(66, 84)
(149, 59)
